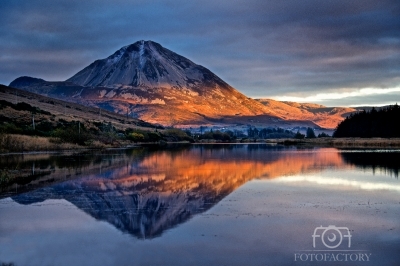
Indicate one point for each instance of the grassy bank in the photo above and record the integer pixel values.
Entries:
(18, 143)
(23, 143)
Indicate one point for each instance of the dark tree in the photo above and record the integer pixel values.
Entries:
(375, 123)
(299, 135)
(310, 133)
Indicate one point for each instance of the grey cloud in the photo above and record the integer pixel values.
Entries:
(259, 47)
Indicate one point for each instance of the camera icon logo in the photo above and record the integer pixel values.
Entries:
(331, 236)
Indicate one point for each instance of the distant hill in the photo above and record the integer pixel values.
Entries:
(55, 109)
(374, 123)
(325, 117)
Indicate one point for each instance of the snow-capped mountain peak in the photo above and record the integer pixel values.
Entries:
(143, 64)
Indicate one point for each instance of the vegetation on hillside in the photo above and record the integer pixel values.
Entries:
(24, 119)
(368, 124)
(171, 135)
(22, 106)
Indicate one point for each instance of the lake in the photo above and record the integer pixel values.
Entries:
(250, 204)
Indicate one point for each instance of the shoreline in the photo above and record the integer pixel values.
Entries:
(37, 148)
(343, 142)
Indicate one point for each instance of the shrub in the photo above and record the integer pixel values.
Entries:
(136, 136)
(175, 134)
(153, 136)
(71, 134)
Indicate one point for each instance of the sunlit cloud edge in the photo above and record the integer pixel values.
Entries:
(322, 97)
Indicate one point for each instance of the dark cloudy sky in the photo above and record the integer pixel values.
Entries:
(337, 53)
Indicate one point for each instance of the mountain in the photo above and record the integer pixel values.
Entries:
(148, 64)
(150, 82)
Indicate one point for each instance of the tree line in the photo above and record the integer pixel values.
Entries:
(381, 123)
(269, 133)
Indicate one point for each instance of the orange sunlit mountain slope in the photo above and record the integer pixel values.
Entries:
(326, 117)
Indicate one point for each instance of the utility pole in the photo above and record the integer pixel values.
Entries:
(33, 121)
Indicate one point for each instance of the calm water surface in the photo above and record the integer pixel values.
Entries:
(202, 205)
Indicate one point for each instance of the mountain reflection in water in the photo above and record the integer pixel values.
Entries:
(144, 192)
